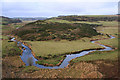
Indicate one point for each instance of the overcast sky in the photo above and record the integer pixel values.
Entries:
(52, 8)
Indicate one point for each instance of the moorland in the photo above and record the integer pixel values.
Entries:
(51, 39)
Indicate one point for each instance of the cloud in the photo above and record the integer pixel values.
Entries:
(55, 8)
(60, 0)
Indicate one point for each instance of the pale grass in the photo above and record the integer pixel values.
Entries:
(109, 23)
(110, 30)
(43, 48)
(66, 21)
(112, 42)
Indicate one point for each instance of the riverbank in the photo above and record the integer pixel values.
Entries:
(46, 64)
(48, 50)
(46, 61)
(102, 55)
(45, 55)
(83, 69)
(44, 48)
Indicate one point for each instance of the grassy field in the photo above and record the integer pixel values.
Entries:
(109, 30)
(69, 22)
(50, 51)
(97, 55)
(108, 27)
(104, 23)
(0, 48)
(3, 37)
(9, 48)
(109, 23)
(58, 20)
(51, 60)
(112, 31)
(113, 55)
(44, 48)
(111, 42)
(99, 15)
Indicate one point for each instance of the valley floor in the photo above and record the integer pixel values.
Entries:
(94, 65)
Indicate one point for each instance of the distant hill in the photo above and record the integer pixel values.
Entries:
(42, 30)
(89, 18)
(30, 18)
(63, 27)
(6, 20)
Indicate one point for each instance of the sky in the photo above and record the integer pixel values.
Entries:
(53, 8)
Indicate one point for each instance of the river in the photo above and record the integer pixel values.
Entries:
(27, 57)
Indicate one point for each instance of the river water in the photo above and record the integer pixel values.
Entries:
(27, 57)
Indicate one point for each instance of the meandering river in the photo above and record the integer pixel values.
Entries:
(27, 57)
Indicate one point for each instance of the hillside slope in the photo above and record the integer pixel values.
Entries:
(42, 30)
(6, 20)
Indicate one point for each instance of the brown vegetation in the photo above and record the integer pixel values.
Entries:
(91, 69)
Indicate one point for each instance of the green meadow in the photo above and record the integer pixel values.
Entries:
(112, 29)
(9, 48)
(44, 48)
(109, 23)
(71, 22)
(52, 52)
(104, 55)
(97, 55)
(103, 23)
